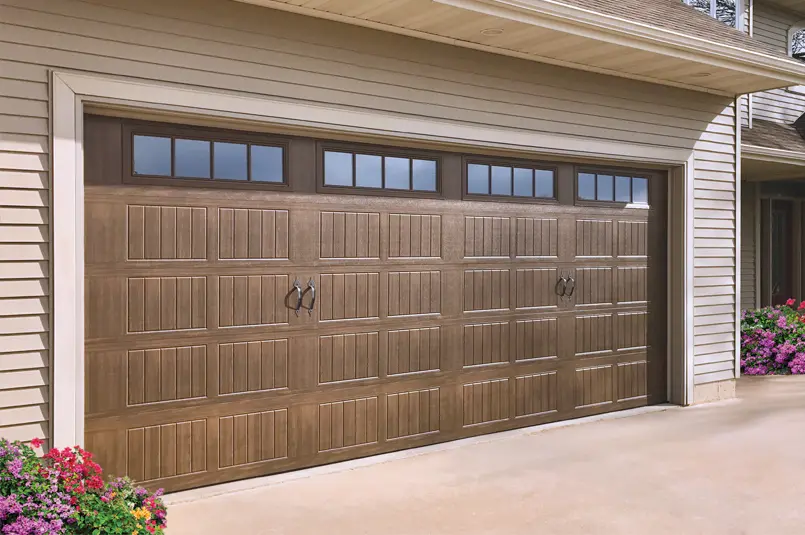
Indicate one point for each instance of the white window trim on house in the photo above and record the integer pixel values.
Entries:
(740, 11)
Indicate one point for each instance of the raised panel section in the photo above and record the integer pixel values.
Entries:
(536, 288)
(632, 238)
(414, 350)
(632, 285)
(252, 438)
(486, 343)
(486, 236)
(594, 286)
(415, 236)
(486, 401)
(348, 296)
(631, 380)
(414, 292)
(535, 394)
(252, 300)
(350, 235)
(486, 289)
(593, 386)
(344, 424)
(536, 339)
(167, 303)
(166, 374)
(536, 237)
(630, 330)
(593, 334)
(252, 366)
(167, 233)
(255, 234)
(166, 450)
(347, 357)
(412, 413)
(593, 238)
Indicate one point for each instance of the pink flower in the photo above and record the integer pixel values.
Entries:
(790, 302)
(36, 442)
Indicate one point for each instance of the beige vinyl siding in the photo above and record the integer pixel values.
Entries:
(226, 46)
(780, 105)
(748, 245)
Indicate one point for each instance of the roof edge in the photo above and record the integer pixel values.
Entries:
(767, 154)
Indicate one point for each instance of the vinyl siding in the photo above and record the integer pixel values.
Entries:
(780, 105)
(227, 46)
(748, 245)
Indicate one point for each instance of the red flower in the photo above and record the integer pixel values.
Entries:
(801, 306)
(36, 442)
(791, 302)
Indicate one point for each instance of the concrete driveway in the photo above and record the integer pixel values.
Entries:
(730, 468)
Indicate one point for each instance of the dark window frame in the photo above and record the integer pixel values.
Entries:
(614, 173)
(211, 135)
(383, 151)
(514, 163)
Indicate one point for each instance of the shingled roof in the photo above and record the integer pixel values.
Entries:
(675, 16)
(773, 136)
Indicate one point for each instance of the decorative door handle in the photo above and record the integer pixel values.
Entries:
(572, 288)
(311, 287)
(299, 294)
(560, 292)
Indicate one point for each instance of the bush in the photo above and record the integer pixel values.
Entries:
(64, 493)
(773, 340)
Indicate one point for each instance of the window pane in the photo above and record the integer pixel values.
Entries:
(501, 180)
(623, 189)
(424, 175)
(267, 164)
(523, 182)
(640, 190)
(798, 45)
(726, 11)
(587, 186)
(192, 158)
(368, 171)
(606, 188)
(152, 155)
(337, 168)
(544, 181)
(229, 161)
(478, 179)
(701, 5)
(398, 173)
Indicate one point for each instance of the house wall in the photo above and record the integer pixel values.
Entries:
(226, 46)
(749, 196)
(780, 105)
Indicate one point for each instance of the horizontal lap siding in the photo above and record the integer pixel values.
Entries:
(779, 105)
(218, 45)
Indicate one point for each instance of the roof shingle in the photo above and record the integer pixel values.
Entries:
(773, 136)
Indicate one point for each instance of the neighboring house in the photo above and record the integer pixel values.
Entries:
(773, 169)
(508, 213)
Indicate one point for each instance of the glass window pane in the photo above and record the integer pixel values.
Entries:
(368, 171)
(152, 155)
(606, 188)
(398, 173)
(501, 180)
(726, 11)
(798, 45)
(338, 168)
(229, 161)
(544, 181)
(424, 172)
(267, 164)
(623, 189)
(701, 5)
(640, 190)
(478, 179)
(523, 182)
(192, 158)
(587, 186)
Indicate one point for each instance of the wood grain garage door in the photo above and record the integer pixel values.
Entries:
(436, 316)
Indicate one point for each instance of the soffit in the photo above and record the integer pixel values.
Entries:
(573, 34)
(796, 7)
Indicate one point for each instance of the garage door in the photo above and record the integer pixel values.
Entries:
(257, 304)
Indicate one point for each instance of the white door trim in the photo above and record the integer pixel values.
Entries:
(72, 91)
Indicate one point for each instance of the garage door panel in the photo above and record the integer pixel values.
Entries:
(594, 238)
(486, 290)
(252, 234)
(414, 236)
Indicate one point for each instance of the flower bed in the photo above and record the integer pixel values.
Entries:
(773, 340)
(64, 493)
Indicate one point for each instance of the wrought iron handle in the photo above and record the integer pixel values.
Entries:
(298, 286)
(560, 292)
(572, 288)
(311, 287)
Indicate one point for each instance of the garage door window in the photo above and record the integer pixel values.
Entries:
(612, 188)
(514, 181)
(185, 158)
(350, 169)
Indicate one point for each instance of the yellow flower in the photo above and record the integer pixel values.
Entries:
(141, 513)
(134, 532)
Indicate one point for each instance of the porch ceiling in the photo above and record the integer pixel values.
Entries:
(564, 34)
(794, 6)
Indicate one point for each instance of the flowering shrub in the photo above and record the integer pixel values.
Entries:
(64, 493)
(773, 340)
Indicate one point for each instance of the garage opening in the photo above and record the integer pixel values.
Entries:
(259, 303)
